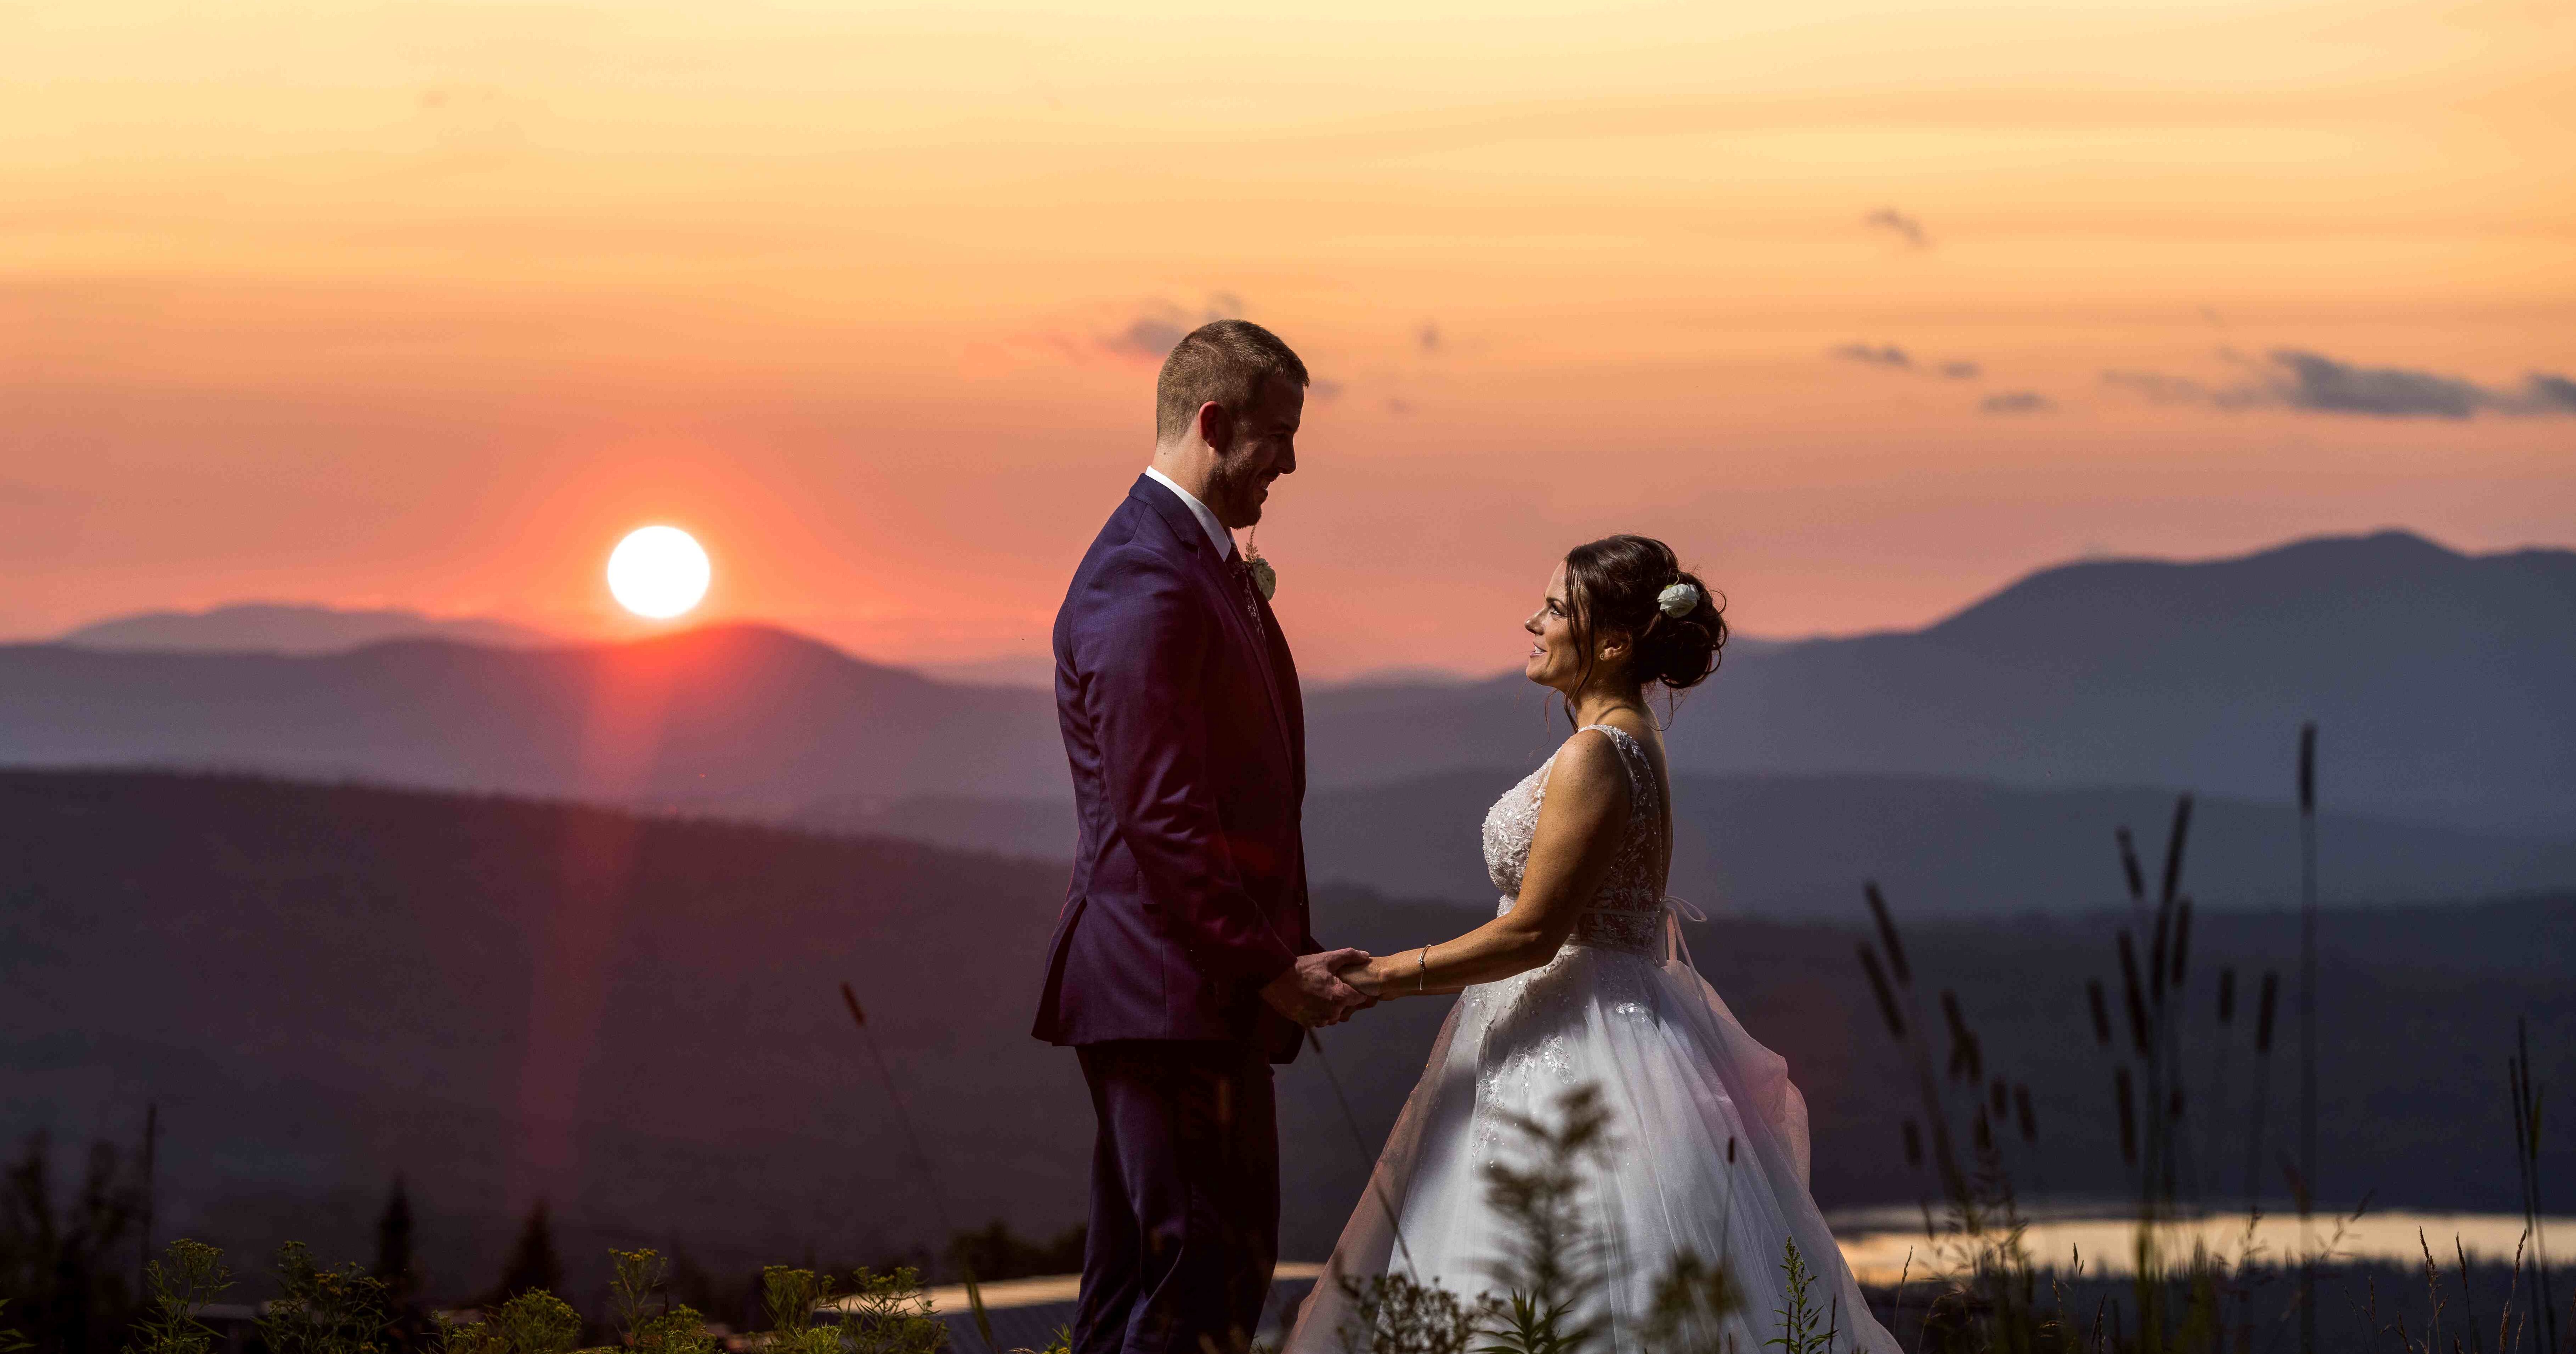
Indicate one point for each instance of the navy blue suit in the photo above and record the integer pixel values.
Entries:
(1182, 722)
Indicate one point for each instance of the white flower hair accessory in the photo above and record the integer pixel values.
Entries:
(1677, 601)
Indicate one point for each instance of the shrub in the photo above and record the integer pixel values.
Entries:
(338, 1310)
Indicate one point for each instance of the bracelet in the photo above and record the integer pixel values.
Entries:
(1422, 971)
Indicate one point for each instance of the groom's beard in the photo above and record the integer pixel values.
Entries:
(1235, 493)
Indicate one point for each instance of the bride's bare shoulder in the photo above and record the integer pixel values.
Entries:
(1587, 770)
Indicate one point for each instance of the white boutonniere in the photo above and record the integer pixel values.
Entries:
(1263, 576)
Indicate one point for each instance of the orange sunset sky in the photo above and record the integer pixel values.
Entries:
(1867, 306)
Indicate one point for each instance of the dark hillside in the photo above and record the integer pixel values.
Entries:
(637, 1019)
(1788, 847)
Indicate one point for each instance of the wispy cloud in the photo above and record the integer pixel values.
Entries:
(1876, 355)
(2016, 402)
(1148, 336)
(2311, 382)
(1897, 359)
(1152, 334)
(1900, 225)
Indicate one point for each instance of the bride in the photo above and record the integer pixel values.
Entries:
(1581, 980)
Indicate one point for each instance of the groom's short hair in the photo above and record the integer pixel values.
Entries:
(1225, 362)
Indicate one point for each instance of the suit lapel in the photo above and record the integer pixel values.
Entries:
(1229, 596)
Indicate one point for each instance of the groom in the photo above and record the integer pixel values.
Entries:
(1183, 963)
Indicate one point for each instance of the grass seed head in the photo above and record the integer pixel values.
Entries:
(1887, 934)
(1887, 1008)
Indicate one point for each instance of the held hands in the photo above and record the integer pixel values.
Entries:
(1361, 972)
(1310, 993)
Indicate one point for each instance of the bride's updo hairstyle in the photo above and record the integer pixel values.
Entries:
(1617, 584)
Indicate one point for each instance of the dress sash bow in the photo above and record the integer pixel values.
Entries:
(1675, 909)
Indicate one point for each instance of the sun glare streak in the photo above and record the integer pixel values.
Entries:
(658, 572)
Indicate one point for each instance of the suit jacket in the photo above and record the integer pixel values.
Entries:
(1188, 746)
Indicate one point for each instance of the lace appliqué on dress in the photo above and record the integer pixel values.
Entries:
(1526, 1039)
(1628, 913)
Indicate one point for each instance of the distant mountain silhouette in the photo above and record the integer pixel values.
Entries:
(289, 628)
(738, 717)
(638, 1019)
(2445, 685)
(1799, 846)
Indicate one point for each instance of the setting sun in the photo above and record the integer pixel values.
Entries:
(658, 572)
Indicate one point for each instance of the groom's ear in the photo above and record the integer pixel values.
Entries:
(1216, 427)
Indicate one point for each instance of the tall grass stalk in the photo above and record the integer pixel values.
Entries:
(2525, 1096)
(1359, 1142)
(929, 1177)
(2307, 1036)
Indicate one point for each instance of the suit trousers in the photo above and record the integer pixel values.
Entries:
(1184, 1198)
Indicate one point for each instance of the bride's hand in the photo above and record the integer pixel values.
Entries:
(1363, 976)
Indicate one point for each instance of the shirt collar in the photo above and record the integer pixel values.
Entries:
(1218, 537)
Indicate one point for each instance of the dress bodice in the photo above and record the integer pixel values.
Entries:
(1628, 912)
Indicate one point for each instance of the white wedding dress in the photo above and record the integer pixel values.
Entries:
(1709, 1139)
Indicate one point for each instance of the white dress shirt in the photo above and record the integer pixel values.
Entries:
(1217, 535)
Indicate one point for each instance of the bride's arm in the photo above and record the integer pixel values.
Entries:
(1580, 823)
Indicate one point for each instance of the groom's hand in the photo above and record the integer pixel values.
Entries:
(1309, 994)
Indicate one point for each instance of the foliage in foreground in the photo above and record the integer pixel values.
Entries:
(342, 1309)
(1987, 1295)
(181, 1282)
(1549, 1267)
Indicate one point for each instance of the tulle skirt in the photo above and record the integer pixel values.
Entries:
(1708, 1151)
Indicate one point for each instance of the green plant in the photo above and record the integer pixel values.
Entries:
(791, 1297)
(646, 1318)
(884, 1313)
(534, 1322)
(318, 1310)
(890, 1314)
(1799, 1320)
(10, 1340)
(1059, 1343)
(1550, 1266)
(1692, 1301)
(1396, 1314)
(187, 1276)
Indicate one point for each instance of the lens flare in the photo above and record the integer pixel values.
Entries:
(658, 572)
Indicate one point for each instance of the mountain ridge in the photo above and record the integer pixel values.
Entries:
(2445, 684)
(291, 628)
